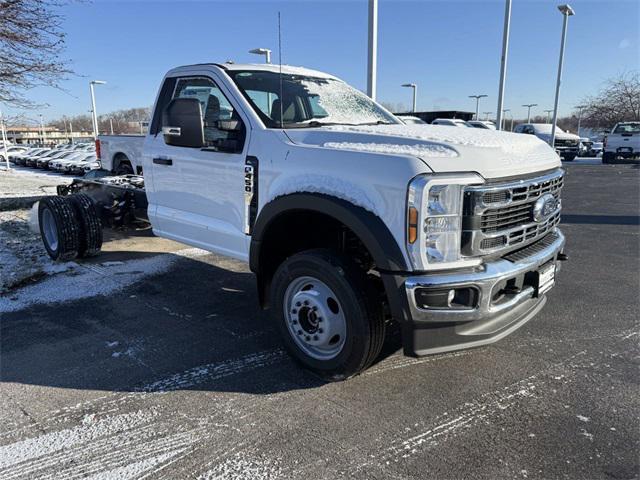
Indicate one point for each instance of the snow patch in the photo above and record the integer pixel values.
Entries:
(582, 418)
(471, 137)
(327, 185)
(90, 281)
(239, 467)
(417, 150)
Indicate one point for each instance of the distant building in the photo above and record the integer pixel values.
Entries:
(431, 116)
(34, 135)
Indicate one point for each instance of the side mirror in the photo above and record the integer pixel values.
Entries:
(183, 120)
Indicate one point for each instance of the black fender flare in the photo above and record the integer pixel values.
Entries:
(371, 230)
(369, 227)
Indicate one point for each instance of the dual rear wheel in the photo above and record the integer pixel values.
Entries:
(70, 227)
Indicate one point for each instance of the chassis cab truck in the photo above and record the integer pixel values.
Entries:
(348, 217)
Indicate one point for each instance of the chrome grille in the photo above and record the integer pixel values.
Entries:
(500, 218)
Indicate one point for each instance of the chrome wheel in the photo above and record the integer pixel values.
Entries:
(49, 229)
(315, 318)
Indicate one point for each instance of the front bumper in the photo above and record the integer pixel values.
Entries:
(507, 295)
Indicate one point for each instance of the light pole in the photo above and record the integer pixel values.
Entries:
(486, 115)
(111, 124)
(503, 119)
(4, 142)
(503, 60)
(579, 107)
(93, 106)
(262, 51)
(477, 97)
(41, 128)
(71, 131)
(566, 11)
(415, 93)
(529, 105)
(548, 112)
(372, 56)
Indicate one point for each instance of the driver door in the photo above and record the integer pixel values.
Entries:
(198, 193)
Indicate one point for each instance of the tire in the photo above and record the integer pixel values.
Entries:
(91, 227)
(124, 168)
(332, 324)
(608, 157)
(59, 228)
(569, 158)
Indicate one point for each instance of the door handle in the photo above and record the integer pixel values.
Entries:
(163, 161)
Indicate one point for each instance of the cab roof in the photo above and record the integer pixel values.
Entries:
(264, 67)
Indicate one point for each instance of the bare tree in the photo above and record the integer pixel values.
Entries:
(123, 121)
(618, 101)
(31, 42)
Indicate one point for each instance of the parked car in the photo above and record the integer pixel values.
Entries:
(622, 142)
(596, 148)
(19, 159)
(81, 168)
(348, 217)
(486, 124)
(34, 157)
(43, 162)
(32, 161)
(566, 144)
(452, 122)
(411, 120)
(12, 151)
(62, 164)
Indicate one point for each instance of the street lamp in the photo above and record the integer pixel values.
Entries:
(477, 97)
(579, 107)
(93, 106)
(372, 50)
(262, 51)
(566, 11)
(415, 93)
(486, 115)
(529, 105)
(548, 112)
(503, 61)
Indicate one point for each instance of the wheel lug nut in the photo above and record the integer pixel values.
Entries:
(319, 319)
(295, 322)
(298, 304)
(294, 311)
(306, 302)
(307, 338)
(319, 330)
(299, 332)
(314, 308)
(315, 337)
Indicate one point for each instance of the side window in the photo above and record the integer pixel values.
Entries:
(215, 107)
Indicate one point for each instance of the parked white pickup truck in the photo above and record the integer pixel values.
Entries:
(347, 216)
(622, 142)
(120, 154)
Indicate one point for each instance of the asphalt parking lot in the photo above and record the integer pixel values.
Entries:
(180, 375)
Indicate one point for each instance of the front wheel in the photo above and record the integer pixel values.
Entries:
(327, 313)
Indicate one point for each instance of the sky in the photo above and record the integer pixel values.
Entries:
(450, 49)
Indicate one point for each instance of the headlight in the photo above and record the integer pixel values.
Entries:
(434, 220)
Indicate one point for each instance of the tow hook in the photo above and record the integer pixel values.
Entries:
(563, 257)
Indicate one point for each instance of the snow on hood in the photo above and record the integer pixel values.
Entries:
(493, 154)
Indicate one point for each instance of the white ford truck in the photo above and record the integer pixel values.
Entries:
(348, 217)
(622, 142)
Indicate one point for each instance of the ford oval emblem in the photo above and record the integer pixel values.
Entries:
(544, 207)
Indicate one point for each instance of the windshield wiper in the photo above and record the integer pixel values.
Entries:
(379, 122)
(315, 123)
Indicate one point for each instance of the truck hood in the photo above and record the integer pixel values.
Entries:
(559, 136)
(492, 154)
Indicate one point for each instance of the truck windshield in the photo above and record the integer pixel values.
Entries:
(307, 101)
